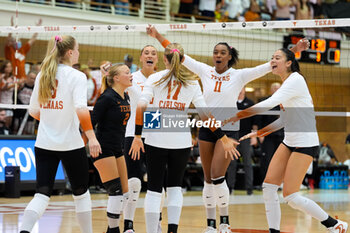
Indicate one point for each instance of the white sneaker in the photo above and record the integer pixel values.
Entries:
(159, 228)
(129, 231)
(210, 230)
(340, 227)
(224, 228)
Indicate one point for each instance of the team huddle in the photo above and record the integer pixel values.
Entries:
(118, 145)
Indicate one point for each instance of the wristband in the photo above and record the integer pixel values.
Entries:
(138, 129)
(219, 133)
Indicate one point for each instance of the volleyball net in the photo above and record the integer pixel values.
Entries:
(326, 65)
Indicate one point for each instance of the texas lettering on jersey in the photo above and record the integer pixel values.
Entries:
(219, 80)
(53, 104)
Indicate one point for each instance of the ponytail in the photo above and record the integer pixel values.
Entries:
(174, 54)
(56, 50)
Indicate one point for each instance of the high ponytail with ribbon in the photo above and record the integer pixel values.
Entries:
(55, 54)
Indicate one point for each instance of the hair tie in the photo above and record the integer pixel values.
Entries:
(230, 47)
(57, 39)
(175, 50)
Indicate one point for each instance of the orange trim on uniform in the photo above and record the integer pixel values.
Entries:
(245, 113)
(139, 116)
(165, 43)
(84, 118)
(36, 115)
(212, 128)
(263, 132)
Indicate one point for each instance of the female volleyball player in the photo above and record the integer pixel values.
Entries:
(221, 87)
(294, 155)
(172, 89)
(136, 168)
(59, 102)
(111, 113)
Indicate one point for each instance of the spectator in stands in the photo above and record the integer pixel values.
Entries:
(19, 59)
(253, 14)
(236, 8)
(4, 130)
(7, 84)
(174, 7)
(23, 97)
(122, 7)
(35, 68)
(207, 7)
(128, 59)
(269, 143)
(303, 10)
(186, 6)
(92, 91)
(282, 12)
(326, 155)
(245, 148)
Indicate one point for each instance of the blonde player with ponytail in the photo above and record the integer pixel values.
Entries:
(110, 116)
(59, 102)
(169, 150)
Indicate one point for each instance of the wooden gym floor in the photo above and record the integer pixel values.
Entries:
(247, 213)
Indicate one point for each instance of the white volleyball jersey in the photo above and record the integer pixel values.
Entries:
(134, 92)
(59, 123)
(221, 90)
(176, 100)
(297, 113)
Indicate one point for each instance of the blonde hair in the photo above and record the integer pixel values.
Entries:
(107, 80)
(174, 53)
(56, 50)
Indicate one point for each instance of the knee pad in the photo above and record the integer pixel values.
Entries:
(82, 202)
(270, 194)
(218, 180)
(38, 204)
(134, 188)
(113, 187)
(175, 197)
(222, 194)
(208, 195)
(295, 200)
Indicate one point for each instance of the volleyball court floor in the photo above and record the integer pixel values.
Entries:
(247, 213)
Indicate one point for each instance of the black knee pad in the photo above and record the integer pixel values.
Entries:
(45, 190)
(79, 191)
(218, 180)
(113, 187)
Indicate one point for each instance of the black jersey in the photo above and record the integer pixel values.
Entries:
(110, 116)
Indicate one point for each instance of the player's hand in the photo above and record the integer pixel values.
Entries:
(232, 119)
(94, 148)
(152, 31)
(136, 145)
(105, 68)
(249, 135)
(302, 45)
(230, 145)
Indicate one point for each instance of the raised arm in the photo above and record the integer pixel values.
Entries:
(190, 63)
(35, 35)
